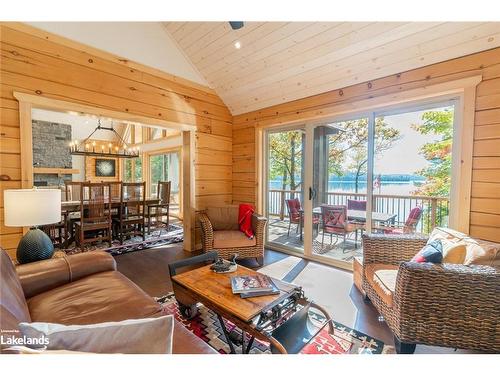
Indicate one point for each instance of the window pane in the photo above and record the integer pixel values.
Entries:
(412, 170)
(138, 169)
(127, 170)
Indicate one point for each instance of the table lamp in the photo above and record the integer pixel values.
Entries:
(32, 207)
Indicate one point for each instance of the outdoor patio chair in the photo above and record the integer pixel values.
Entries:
(296, 214)
(353, 204)
(334, 222)
(410, 225)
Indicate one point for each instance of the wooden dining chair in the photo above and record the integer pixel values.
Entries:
(160, 211)
(132, 211)
(95, 214)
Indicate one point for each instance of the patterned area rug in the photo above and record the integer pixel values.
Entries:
(155, 239)
(345, 340)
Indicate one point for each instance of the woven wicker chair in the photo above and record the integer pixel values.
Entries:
(220, 232)
(450, 305)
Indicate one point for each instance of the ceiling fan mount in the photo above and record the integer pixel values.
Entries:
(235, 25)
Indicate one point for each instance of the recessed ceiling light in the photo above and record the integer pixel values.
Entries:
(237, 45)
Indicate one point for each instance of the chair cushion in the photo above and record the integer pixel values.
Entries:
(225, 239)
(224, 218)
(382, 278)
(104, 297)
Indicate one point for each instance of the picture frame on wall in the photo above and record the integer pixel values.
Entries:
(105, 167)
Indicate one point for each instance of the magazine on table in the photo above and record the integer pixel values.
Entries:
(253, 283)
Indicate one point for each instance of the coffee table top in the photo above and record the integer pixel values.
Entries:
(215, 288)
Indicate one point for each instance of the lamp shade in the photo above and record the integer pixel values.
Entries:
(31, 207)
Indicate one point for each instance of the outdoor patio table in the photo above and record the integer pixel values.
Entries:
(355, 215)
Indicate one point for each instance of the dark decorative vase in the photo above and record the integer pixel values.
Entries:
(34, 246)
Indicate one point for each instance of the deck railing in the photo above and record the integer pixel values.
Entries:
(435, 209)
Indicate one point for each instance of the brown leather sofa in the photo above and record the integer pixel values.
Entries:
(79, 289)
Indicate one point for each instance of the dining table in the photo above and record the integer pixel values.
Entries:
(74, 206)
(358, 216)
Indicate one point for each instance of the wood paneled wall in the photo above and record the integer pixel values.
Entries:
(37, 62)
(485, 196)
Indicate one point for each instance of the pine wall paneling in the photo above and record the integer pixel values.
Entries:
(40, 63)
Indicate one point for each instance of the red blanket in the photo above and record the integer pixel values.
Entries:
(245, 219)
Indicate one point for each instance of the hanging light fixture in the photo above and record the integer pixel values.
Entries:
(90, 148)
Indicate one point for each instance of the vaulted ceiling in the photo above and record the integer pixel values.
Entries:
(283, 61)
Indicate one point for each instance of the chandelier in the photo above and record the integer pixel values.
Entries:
(90, 148)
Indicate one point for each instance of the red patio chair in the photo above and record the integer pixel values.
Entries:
(410, 225)
(295, 214)
(334, 222)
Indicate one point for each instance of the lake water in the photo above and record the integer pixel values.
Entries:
(388, 187)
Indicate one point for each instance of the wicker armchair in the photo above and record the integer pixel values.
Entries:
(450, 305)
(220, 232)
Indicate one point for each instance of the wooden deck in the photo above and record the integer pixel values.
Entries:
(336, 249)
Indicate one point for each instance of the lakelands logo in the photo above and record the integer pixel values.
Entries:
(12, 338)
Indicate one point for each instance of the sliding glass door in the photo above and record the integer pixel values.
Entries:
(339, 188)
(284, 159)
(386, 172)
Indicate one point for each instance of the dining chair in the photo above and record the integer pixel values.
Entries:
(410, 225)
(334, 222)
(160, 210)
(131, 214)
(357, 205)
(95, 214)
(294, 213)
(73, 190)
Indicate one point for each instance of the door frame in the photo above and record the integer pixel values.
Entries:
(463, 89)
(28, 101)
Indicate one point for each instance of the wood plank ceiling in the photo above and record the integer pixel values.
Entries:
(283, 61)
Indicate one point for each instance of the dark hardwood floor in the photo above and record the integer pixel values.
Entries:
(149, 269)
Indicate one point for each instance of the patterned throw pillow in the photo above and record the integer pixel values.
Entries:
(430, 253)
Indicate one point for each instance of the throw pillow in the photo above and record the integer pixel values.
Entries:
(454, 253)
(430, 253)
(134, 336)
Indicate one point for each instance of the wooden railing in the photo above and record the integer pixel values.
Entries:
(435, 209)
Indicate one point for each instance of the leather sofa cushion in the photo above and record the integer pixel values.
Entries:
(223, 218)
(12, 298)
(185, 342)
(382, 278)
(103, 297)
(224, 239)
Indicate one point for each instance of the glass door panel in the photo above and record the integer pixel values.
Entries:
(165, 167)
(284, 190)
(412, 170)
(339, 188)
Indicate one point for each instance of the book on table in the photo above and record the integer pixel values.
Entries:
(252, 284)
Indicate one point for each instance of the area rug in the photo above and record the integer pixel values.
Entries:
(345, 340)
(174, 234)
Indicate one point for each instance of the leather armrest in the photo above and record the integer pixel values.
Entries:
(39, 277)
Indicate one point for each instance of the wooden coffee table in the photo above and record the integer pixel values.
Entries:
(282, 320)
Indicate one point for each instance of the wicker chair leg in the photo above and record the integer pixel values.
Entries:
(260, 261)
(403, 347)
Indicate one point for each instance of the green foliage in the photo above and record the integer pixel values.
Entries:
(438, 153)
(351, 143)
(285, 158)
